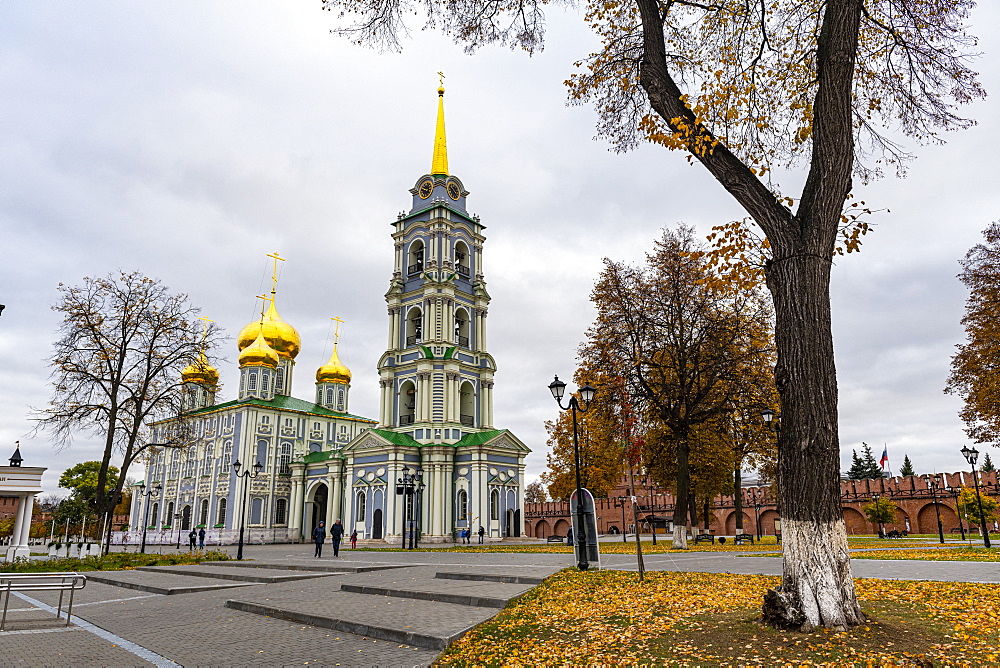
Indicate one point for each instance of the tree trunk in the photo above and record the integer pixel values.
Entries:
(680, 503)
(817, 587)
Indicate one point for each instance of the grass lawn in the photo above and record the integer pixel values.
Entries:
(937, 554)
(116, 561)
(702, 619)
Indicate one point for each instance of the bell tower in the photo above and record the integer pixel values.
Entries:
(436, 374)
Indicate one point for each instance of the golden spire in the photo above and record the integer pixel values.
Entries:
(439, 165)
(334, 371)
(281, 336)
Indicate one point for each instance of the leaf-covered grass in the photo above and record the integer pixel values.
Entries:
(703, 619)
(116, 561)
(937, 554)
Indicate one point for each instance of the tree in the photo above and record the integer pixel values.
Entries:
(864, 467)
(907, 467)
(987, 464)
(535, 493)
(691, 348)
(82, 481)
(880, 511)
(116, 368)
(968, 507)
(744, 88)
(974, 374)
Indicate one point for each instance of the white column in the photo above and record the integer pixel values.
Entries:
(295, 523)
(337, 500)
(22, 520)
(330, 509)
(29, 505)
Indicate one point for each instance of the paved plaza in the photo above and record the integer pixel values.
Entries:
(283, 607)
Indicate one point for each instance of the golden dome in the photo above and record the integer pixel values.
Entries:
(280, 336)
(259, 353)
(333, 371)
(200, 372)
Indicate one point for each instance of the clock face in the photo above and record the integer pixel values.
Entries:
(426, 188)
(454, 191)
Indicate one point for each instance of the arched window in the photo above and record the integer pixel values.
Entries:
(467, 404)
(227, 455)
(208, 455)
(495, 505)
(285, 458)
(203, 513)
(340, 400)
(462, 327)
(153, 514)
(414, 326)
(169, 519)
(462, 259)
(252, 382)
(415, 261)
(280, 511)
(221, 515)
(279, 380)
(360, 515)
(329, 396)
(462, 510)
(407, 403)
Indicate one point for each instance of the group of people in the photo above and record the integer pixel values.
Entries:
(336, 535)
(197, 536)
(466, 534)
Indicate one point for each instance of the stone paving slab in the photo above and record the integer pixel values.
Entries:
(246, 574)
(59, 648)
(314, 566)
(421, 593)
(489, 577)
(161, 583)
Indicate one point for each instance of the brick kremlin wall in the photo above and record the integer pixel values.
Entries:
(915, 500)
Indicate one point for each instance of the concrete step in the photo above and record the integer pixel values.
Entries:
(490, 577)
(320, 566)
(428, 624)
(161, 583)
(255, 575)
(420, 592)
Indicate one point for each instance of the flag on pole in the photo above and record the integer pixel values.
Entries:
(885, 456)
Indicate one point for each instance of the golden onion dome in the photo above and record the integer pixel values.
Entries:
(259, 353)
(333, 371)
(200, 372)
(281, 336)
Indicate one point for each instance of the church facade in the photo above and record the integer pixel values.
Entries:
(320, 462)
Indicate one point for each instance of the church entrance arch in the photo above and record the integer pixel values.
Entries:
(508, 529)
(377, 524)
(316, 506)
(186, 518)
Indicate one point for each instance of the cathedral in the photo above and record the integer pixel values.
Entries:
(303, 461)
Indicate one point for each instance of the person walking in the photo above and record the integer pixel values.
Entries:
(354, 539)
(319, 537)
(192, 539)
(482, 532)
(569, 536)
(336, 535)
(201, 538)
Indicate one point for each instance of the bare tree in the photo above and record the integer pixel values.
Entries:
(116, 368)
(743, 88)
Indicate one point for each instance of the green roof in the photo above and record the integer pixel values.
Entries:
(396, 438)
(321, 456)
(281, 402)
(478, 438)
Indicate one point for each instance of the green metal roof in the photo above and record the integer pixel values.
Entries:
(396, 438)
(478, 438)
(284, 403)
(321, 456)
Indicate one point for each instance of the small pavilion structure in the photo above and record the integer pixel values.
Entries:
(23, 482)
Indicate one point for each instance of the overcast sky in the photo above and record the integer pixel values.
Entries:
(188, 139)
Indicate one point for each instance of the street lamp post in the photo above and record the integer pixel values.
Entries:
(970, 456)
(177, 523)
(932, 483)
(961, 524)
(621, 500)
(155, 489)
(558, 389)
(756, 496)
(249, 475)
(409, 486)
